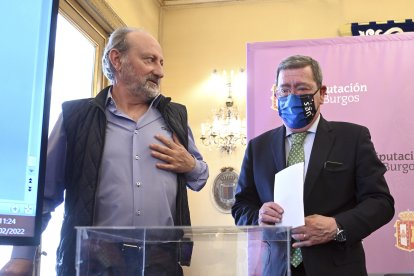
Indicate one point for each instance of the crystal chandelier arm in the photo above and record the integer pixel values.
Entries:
(227, 129)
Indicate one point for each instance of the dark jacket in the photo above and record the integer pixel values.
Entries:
(85, 125)
(345, 180)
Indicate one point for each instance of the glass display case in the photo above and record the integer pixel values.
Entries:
(230, 250)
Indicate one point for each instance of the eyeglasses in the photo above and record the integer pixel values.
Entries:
(281, 92)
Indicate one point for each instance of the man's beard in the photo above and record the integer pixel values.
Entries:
(145, 87)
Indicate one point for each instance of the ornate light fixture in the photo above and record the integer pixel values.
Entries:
(227, 128)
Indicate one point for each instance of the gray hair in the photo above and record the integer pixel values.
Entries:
(117, 41)
(298, 61)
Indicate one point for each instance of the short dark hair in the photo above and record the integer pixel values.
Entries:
(298, 61)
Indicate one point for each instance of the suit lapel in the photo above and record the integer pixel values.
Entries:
(322, 144)
(278, 148)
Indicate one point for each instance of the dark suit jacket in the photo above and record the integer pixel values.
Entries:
(353, 190)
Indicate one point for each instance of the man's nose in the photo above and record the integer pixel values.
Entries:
(159, 70)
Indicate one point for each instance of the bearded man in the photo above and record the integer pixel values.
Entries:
(124, 158)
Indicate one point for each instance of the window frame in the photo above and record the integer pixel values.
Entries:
(96, 20)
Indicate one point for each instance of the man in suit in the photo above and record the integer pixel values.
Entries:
(346, 196)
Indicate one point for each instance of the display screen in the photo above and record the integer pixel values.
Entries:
(27, 52)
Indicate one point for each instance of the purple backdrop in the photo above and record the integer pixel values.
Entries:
(369, 83)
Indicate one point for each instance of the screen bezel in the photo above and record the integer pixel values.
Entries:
(35, 239)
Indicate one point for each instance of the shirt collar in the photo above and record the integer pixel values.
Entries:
(110, 99)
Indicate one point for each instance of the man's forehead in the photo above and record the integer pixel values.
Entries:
(299, 72)
(142, 39)
(303, 68)
(296, 76)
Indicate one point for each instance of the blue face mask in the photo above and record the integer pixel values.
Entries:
(297, 111)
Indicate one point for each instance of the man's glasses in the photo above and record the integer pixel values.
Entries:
(281, 92)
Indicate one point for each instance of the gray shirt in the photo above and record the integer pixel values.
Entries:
(131, 190)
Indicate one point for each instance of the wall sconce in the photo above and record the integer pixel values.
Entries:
(227, 129)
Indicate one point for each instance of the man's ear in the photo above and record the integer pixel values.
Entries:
(322, 93)
(115, 58)
(273, 98)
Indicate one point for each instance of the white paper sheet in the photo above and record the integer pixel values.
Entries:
(288, 193)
